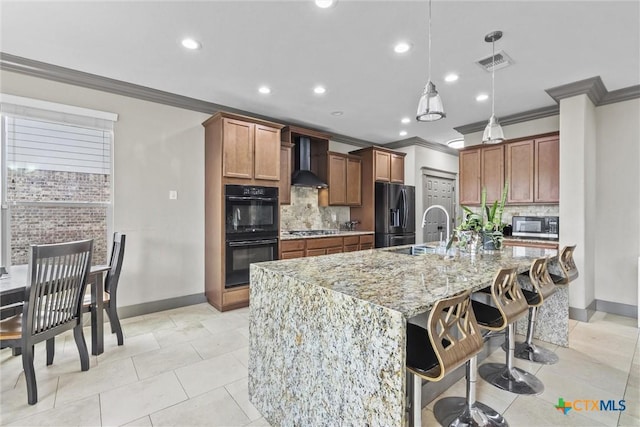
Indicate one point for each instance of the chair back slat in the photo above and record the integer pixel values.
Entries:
(541, 280)
(507, 296)
(567, 263)
(58, 278)
(117, 256)
(453, 332)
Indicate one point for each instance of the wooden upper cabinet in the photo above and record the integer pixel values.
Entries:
(547, 170)
(519, 171)
(397, 168)
(266, 161)
(285, 173)
(354, 181)
(469, 161)
(492, 171)
(250, 150)
(382, 166)
(337, 177)
(343, 175)
(238, 137)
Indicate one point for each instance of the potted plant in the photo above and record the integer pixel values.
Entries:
(475, 228)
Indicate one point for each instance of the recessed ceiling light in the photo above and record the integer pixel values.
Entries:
(456, 143)
(406, 120)
(482, 97)
(402, 47)
(337, 113)
(324, 4)
(403, 133)
(264, 90)
(191, 44)
(319, 90)
(451, 77)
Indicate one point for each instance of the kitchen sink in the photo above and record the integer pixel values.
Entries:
(415, 250)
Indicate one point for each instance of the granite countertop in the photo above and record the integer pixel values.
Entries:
(404, 283)
(530, 239)
(284, 235)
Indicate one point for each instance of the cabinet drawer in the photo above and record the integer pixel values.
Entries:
(291, 245)
(328, 242)
(337, 250)
(292, 254)
(316, 252)
(351, 240)
(364, 246)
(351, 248)
(367, 238)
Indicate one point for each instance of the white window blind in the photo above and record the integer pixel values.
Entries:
(36, 144)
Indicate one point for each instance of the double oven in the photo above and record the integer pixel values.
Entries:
(251, 230)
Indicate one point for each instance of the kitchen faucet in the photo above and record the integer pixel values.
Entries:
(446, 214)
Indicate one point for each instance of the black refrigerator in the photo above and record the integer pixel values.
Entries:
(395, 214)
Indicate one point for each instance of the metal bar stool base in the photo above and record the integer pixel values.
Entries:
(532, 352)
(514, 380)
(454, 412)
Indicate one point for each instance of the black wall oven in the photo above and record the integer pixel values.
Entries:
(251, 231)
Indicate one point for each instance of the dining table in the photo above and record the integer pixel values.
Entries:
(13, 288)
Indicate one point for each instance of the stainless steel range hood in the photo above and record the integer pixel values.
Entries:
(303, 177)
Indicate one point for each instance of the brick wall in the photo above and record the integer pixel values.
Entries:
(54, 224)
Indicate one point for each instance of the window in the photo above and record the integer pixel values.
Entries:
(56, 177)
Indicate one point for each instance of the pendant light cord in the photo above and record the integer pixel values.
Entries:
(429, 40)
(493, 76)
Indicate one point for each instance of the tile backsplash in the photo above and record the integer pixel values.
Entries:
(304, 213)
(529, 210)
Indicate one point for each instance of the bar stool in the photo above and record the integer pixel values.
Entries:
(567, 265)
(510, 305)
(543, 288)
(452, 338)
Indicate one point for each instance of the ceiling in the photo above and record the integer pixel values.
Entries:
(292, 46)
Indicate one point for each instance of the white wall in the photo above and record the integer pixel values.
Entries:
(340, 147)
(157, 149)
(417, 158)
(617, 209)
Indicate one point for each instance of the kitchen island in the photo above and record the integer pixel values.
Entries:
(327, 334)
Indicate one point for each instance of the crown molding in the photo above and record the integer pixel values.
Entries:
(593, 87)
(525, 116)
(415, 140)
(59, 74)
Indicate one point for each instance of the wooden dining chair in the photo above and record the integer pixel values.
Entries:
(111, 287)
(55, 287)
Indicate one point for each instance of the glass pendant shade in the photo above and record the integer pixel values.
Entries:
(430, 106)
(493, 132)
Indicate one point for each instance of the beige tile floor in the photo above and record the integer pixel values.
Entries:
(188, 366)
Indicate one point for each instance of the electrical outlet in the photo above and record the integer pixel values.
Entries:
(173, 195)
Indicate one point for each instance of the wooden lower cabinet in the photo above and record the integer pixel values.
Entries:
(366, 242)
(299, 248)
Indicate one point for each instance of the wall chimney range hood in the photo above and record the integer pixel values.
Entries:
(303, 177)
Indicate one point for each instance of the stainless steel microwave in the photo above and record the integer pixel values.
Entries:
(546, 227)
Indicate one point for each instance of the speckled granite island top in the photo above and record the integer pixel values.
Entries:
(405, 283)
(327, 333)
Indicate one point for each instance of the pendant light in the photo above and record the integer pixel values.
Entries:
(493, 132)
(430, 106)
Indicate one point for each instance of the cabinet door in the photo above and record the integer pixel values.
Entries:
(292, 254)
(354, 181)
(238, 139)
(382, 166)
(334, 251)
(285, 175)
(397, 168)
(519, 162)
(547, 170)
(469, 163)
(337, 179)
(267, 153)
(316, 252)
(492, 171)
